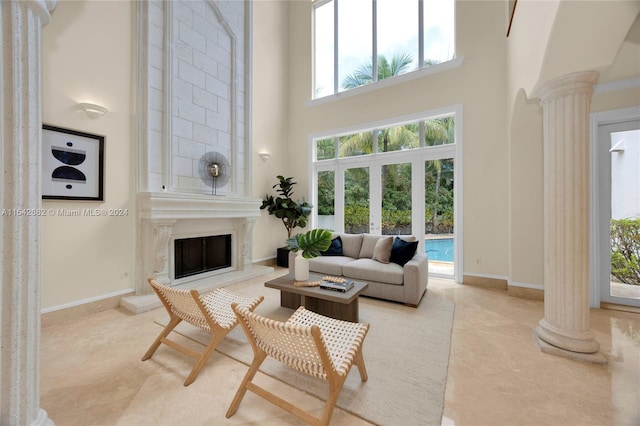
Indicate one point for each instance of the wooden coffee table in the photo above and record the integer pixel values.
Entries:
(334, 304)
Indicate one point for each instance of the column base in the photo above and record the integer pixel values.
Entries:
(575, 341)
(595, 358)
(42, 419)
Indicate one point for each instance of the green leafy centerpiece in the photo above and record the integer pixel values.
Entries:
(308, 245)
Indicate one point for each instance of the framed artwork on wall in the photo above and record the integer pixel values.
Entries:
(72, 164)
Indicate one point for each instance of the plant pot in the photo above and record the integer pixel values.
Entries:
(283, 257)
(302, 268)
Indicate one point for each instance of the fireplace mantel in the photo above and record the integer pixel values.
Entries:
(164, 217)
(172, 206)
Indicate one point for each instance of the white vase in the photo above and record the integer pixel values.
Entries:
(302, 268)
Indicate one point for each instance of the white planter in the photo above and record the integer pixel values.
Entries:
(302, 268)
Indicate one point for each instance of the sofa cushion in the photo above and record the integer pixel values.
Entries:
(351, 244)
(368, 244)
(329, 265)
(382, 250)
(335, 249)
(403, 251)
(372, 270)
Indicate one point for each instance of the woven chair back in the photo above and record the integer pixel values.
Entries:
(182, 304)
(291, 344)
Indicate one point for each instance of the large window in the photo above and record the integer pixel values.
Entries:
(432, 132)
(397, 179)
(357, 42)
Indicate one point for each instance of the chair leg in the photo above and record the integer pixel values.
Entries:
(215, 340)
(332, 399)
(359, 362)
(253, 369)
(174, 321)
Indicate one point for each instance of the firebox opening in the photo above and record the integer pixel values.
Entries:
(201, 254)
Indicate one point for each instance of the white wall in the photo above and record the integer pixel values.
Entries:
(271, 88)
(533, 55)
(625, 175)
(88, 49)
(193, 62)
(87, 58)
(479, 85)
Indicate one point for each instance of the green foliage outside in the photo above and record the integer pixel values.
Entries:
(625, 250)
(326, 187)
(396, 181)
(399, 64)
(396, 178)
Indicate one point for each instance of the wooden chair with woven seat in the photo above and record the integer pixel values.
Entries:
(311, 343)
(210, 312)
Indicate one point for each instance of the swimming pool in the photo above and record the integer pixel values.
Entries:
(439, 249)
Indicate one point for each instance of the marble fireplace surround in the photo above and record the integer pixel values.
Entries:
(165, 217)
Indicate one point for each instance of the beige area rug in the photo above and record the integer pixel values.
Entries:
(406, 353)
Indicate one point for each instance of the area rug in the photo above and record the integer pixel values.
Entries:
(406, 353)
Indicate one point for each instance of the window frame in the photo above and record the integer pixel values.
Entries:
(453, 62)
(416, 156)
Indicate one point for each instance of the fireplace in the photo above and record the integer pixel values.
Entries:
(198, 255)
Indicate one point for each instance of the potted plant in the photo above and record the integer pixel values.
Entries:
(308, 245)
(293, 214)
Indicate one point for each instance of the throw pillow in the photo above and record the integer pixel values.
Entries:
(351, 244)
(368, 244)
(382, 250)
(402, 251)
(335, 249)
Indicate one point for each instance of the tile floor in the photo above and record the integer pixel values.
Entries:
(91, 373)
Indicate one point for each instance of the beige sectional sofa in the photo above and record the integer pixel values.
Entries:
(391, 265)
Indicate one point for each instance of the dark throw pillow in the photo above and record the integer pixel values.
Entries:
(402, 251)
(335, 249)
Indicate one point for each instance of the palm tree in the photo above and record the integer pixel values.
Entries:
(400, 137)
(357, 144)
(388, 139)
(437, 131)
(362, 143)
(364, 73)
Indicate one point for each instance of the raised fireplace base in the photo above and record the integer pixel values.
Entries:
(147, 302)
(164, 218)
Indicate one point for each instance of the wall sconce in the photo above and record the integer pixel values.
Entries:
(93, 110)
(264, 155)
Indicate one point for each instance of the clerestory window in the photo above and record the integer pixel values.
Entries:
(358, 42)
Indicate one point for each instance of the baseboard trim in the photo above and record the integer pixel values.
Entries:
(485, 281)
(76, 311)
(526, 292)
(622, 308)
(523, 291)
(63, 313)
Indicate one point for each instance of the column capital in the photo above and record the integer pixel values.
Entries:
(568, 84)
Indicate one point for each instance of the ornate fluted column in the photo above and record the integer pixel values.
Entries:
(20, 134)
(565, 329)
(162, 230)
(247, 242)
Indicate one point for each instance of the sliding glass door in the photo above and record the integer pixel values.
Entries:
(618, 227)
(357, 198)
(439, 218)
